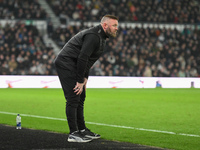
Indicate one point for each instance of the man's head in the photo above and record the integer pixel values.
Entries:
(109, 24)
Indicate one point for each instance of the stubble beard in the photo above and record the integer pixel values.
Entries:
(110, 33)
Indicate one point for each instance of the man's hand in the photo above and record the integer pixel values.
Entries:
(78, 89)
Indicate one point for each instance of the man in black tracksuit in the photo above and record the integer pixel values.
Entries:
(73, 64)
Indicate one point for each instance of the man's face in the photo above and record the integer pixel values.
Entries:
(112, 27)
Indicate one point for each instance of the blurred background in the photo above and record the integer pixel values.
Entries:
(156, 38)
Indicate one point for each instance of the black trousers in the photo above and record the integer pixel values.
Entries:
(74, 103)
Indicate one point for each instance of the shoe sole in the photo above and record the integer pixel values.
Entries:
(79, 141)
(92, 137)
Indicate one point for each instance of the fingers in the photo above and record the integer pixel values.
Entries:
(79, 92)
(78, 89)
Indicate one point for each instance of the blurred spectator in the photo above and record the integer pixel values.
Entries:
(193, 72)
(174, 73)
(111, 58)
(4, 69)
(147, 72)
(181, 72)
(12, 64)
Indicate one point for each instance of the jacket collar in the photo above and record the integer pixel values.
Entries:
(102, 32)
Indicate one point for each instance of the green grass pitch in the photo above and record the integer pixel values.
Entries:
(154, 110)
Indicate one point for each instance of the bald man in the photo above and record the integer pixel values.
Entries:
(73, 64)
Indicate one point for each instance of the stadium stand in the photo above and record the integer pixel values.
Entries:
(150, 51)
(21, 9)
(145, 52)
(22, 51)
(168, 11)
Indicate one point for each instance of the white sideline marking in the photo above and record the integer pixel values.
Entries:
(102, 124)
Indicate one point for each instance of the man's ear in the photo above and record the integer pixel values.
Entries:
(105, 25)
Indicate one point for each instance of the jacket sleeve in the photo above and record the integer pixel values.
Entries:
(90, 44)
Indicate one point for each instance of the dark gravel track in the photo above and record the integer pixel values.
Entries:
(28, 139)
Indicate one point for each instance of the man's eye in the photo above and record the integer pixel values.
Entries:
(115, 25)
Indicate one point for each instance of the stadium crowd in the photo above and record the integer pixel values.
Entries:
(165, 11)
(149, 52)
(21, 9)
(139, 51)
(22, 51)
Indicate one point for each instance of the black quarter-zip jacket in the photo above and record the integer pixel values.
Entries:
(82, 51)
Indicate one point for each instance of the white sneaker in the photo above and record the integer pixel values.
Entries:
(78, 137)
